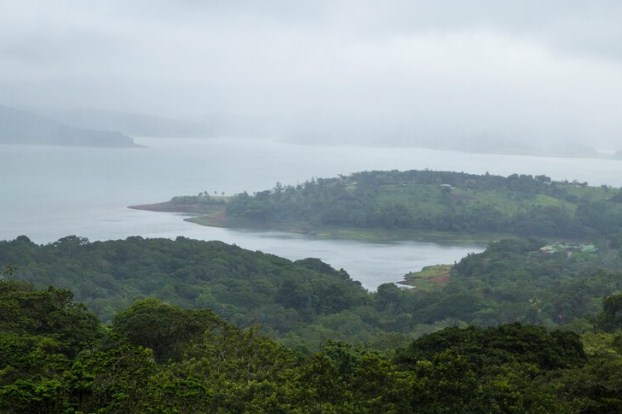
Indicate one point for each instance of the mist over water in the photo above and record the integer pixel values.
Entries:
(51, 192)
(476, 73)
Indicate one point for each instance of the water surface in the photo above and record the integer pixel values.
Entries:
(50, 192)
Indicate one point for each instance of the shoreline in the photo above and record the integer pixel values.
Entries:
(215, 216)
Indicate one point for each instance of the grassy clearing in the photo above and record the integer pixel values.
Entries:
(430, 278)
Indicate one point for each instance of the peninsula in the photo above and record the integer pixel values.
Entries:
(418, 205)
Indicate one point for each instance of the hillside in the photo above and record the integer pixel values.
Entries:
(141, 125)
(307, 302)
(55, 357)
(170, 345)
(419, 205)
(242, 286)
(24, 128)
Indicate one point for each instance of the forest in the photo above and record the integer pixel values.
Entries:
(306, 302)
(57, 357)
(413, 204)
(530, 325)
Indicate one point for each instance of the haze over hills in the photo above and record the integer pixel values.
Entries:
(459, 76)
(131, 123)
(325, 128)
(337, 128)
(25, 128)
(106, 128)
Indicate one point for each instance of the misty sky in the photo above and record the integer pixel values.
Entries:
(525, 68)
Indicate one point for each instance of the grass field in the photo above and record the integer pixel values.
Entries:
(430, 278)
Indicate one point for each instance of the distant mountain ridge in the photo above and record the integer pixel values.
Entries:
(25, 128)
(131, 123)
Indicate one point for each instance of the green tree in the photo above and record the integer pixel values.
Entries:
(610, 319)
(166, 329)
(115, 378)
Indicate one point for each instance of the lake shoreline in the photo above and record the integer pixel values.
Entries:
(215, 216)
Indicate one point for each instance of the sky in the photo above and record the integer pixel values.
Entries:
(530, 69)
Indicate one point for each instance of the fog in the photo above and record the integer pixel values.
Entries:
(391, 72)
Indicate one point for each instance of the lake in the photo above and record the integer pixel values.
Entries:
(51, 192)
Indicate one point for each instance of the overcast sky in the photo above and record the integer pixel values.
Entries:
(514, 67)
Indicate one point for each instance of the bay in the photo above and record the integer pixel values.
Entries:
(50, 192)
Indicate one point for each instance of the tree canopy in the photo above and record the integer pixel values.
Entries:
(306, 302)
(410, 203)
(138, 366)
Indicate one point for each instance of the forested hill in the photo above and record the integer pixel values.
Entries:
(156, 356)
(25, 128)
(409, 204)
(242, 286)
(307, 302)
(55, 357)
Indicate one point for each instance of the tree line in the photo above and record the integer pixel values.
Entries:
(56, 357)
(305, 302)
(519, 205)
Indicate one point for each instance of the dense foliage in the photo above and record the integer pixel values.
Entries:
(305, 303)
(521, 280)
(195, 362)
(188, 323)
(520, 205)
(242, 286)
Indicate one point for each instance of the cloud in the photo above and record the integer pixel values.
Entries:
(514, 68)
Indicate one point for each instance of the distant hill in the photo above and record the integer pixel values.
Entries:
(132, 124)
(418, 204)
(336, 129)
(25, 128)
(243, 125)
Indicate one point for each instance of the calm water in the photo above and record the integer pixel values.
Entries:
(47, 193)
